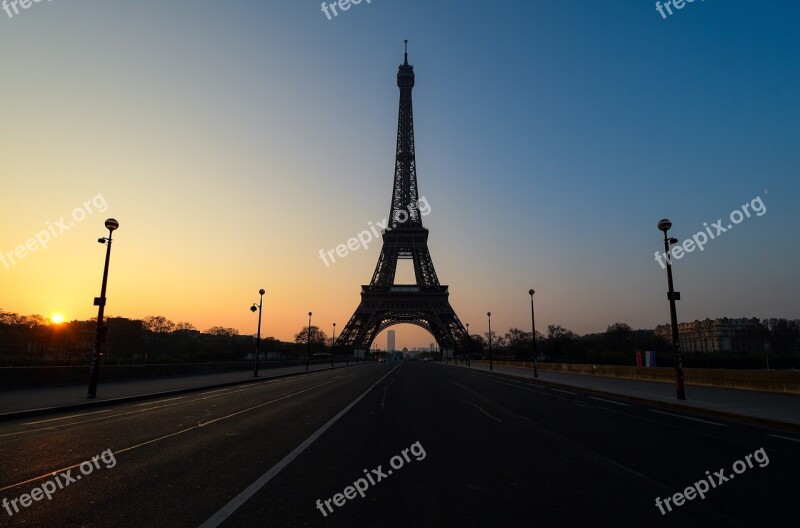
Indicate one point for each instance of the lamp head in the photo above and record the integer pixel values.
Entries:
(253, 308)
(664, 225)
(112, 225)
(531, 292)
(488, 314)
(262, 291)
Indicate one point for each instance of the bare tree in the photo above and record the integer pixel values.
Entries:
(517, 337)
(158, 324)
(222, 331)
(317, 335)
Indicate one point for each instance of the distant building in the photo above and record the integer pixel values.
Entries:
(390, 341)
(717, 335)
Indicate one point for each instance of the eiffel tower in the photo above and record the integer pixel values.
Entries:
(384, 303)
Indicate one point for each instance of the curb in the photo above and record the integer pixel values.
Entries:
(26, 413)
(753, 420)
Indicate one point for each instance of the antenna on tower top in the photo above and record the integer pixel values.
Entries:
(406, 52)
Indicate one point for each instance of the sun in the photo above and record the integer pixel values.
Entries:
(57, 318)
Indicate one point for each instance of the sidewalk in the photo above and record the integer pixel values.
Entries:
(29, 402)
(760, 407)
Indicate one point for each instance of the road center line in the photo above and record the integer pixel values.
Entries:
(383, 400)
(524, 388)
(156, 402)
(565, 392)
(688, 418)
(187, 401)
(234, 504)
(90, 420)
(212, 392)
(66, 417)
(215, 420)
(481, 410)
(610, 401)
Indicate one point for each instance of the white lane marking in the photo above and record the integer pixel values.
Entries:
(154, 440)
(231, 389)
(40, 477)
(137, 411)
(383, 400)
(609, 401)
(526, 382)
(215, 420)
(234, 504)
(159, 401)
(230, 392)
(212, 392)
(786, 438)
(566, 392)
(525, 388)
(481, 410)
(66, 417)
(90, 420)
(688, 418)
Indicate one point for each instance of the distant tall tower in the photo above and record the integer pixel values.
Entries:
(390, 341)
(383, 302)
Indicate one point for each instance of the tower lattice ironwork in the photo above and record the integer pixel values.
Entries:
(384, 303)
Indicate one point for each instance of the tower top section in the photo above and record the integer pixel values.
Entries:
(405, 75)
(404, 212)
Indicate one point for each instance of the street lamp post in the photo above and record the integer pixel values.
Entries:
(258, 335)
(333, 343)
(489, 315)
(308, 352)
(469, 345)
(533, 336)
(100, 302)
(665, 225)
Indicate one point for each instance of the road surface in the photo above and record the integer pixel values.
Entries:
(425, 444)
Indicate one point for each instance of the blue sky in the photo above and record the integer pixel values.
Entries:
(234, 140)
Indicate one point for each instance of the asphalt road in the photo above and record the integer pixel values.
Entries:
(428, 444)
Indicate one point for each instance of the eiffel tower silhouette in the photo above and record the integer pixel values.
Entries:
(384, 303)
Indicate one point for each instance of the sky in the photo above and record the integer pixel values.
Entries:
(235, 140)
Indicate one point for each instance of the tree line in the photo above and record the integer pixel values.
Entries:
(33, 340)
(775, 339)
